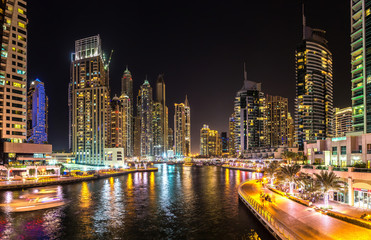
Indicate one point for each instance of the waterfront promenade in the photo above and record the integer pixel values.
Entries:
(303, 222)
(242, 168)
(14, 185)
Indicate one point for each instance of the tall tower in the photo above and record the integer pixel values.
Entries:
(249, 114)
(360, 64)
(160, 120)
(276, 124)
(13, 71)
(127, 83)
(342, 121)
(145, 110)
(37, 113)
(232, 132)
(89, 102)
(182, 129)
(128, 127)
(314, 87)
(117, 123)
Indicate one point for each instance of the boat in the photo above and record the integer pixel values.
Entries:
(188, 164)
(33, 202)
(170, 163)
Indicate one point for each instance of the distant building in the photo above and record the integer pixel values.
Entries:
(145, 111)
(127, 127)
(314, 88)
(249, 114)
(117, 122)
(37, 113)
(224, 142)
(342, 121)
(137, 135)
(276, 121)
(89, 102)
(160, 119)
(127, 84)
(232, 131)
(209, 142)
(170, 139)
(290, 131)
(182, 129)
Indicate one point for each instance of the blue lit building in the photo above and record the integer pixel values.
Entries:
(37, 113)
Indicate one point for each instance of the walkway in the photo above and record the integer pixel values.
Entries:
(304, 221)
(345, 209)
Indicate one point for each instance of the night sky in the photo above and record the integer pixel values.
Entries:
(200, 46)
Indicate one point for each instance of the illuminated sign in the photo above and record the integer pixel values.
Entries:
(339, 139)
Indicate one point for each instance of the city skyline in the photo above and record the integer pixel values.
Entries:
(216, 71)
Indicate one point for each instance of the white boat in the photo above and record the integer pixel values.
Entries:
(33, 202)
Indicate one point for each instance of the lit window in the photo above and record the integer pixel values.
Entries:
(17, 85)
(368, 12)
(22, 25)
(20, 11)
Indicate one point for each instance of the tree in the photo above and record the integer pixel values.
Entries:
(308, 184)
(271, 170)
(289, 173)
(327, 181)
(288, 155)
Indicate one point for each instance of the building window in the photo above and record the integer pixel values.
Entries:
(343, 150)
(334, 150)
(368, 148)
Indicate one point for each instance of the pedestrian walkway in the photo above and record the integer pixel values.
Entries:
(345, 209)
(305, 221)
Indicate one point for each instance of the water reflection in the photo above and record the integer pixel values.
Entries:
(173, 203)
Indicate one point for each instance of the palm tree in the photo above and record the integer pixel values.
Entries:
(327, 181)
(288, 155)
(308, 184)
(289, 173)
(271, 170)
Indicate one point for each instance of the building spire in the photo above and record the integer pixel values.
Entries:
(244, 72)
(304, 20)
(186, 101)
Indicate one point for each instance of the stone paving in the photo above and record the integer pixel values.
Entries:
(305, 221)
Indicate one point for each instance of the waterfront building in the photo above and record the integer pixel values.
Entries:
(136, 135)
(37, 113)
(224, 142)
(290, 131)
(360, 65)
(89, 103)
(182, 129)
(209, 142)
(13, 71)
(342, 121)
(170, 139)
(127, 126)
(232, 130)
(160, 119)
(276, 124)
(314, 87)
(145, 112)
(114, 157)
(249, 114)
(117, 123)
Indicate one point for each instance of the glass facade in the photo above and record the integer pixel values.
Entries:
(362, 198)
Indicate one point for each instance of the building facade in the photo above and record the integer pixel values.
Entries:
(145, 110)
(117, 123)
(210, 145)
(224, 142)
(232, 131)
(37, 113)
(276, 124)
(182, 129)
(127, 126)
(342, 121)
(314, 87)
(89, 102)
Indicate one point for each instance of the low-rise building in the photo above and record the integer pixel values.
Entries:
(114, 157)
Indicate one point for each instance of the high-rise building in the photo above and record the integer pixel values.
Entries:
(170, 139)
(89, 102)
(160, 119)
(232, 131)
(224, 142)
(276, 124)
(314, 94)
(145, 111)
(249, 113)
(117, 123)
(290, 131)
(37, 113)
(127, 84)
(137, 135)
(127, 126)
(13, 71)
(342, 121)
(209, 142)
(182, 129)
(360, 64)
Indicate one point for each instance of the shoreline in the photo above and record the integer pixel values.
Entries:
(67, 180)
(243, 169)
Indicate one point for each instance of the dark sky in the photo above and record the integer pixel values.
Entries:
(200, 46)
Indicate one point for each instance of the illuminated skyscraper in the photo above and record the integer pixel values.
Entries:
(182, 129)
(276, 124)
(136, 137)
(13, 71)
(224, 142)
(117, 123)
(249, 114)
(290, 131)
(145, 111)
(314, 95)
(89, 102)
(127, 84)
(170, 139)
(361, 64)
(342, 121)
(209, 142)
(160, 119)
(232, 131)
(37, 113)
(128, 127)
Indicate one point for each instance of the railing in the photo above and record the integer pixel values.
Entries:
(366, 170)
(340, 169)
(273, 223)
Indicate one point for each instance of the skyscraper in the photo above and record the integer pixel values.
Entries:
(127, 84)
(276, 124)
(13, 71)
(209, 142)
(182, 129)
(314, 94)
(342, 121)
(89, 102)
(232, 131)
(249, 114)
(160, 119)
(360, 64)
(290, 131)
(128, 127)
(224, 142)
(117, 123)
(37, 113)
(137, 136)
(145, 110)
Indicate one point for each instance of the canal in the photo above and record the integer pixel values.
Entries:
(174, 203)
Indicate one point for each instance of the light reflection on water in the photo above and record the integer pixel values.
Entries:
(175, 202)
